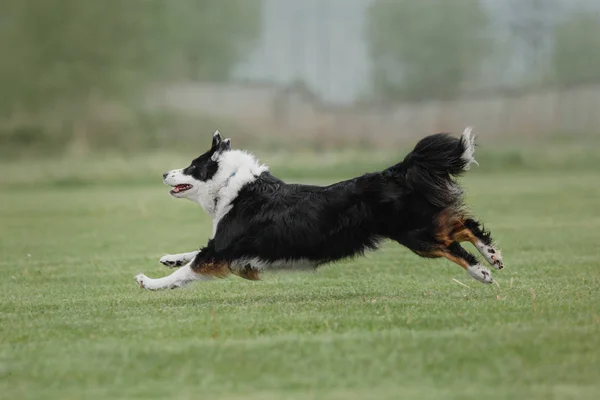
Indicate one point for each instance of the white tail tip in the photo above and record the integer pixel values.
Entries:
(468, 138)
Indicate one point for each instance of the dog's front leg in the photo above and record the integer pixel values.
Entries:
(179, 278)
(177, 260)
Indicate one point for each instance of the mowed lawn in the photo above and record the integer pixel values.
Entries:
(74, 325)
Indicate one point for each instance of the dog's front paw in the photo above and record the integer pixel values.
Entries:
(172, 260)
(141, 280)
(480, 273)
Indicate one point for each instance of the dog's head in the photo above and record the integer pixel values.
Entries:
(216, 175)
(194, 181)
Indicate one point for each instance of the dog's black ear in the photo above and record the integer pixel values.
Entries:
(225, 145)
(216, 140)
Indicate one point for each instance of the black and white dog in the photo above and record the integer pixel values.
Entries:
(261, 223)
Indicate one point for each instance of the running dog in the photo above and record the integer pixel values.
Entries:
(261, 223)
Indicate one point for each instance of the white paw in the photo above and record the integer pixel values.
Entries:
(480, 273)
(491, 255)
(495, 258)
(157, 284)
(172, 260)
(141, 280)
(146, 283)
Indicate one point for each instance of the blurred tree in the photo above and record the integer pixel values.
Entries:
(577, 49)
(210, 36)
(61, 51)
(425, 49)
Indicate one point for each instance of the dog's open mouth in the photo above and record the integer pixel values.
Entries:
(181, 188)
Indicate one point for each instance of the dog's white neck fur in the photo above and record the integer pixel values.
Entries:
(236, 169)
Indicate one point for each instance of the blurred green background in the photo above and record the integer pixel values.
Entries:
(86, 78)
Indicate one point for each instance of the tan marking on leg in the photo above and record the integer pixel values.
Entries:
(435, 253)
(429, 254)
(247, 272)
(457, 260)
(451, 228)
(215, 269)
(444, 227)
(464, 235)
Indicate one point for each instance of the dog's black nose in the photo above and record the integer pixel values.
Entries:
(165, 175)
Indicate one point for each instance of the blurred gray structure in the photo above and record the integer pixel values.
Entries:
(319, 42)
(311, 67)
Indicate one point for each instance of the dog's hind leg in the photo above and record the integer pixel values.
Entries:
(421, 243)
(454, 226)
(455, 253)
(177, 260)
(470, 230)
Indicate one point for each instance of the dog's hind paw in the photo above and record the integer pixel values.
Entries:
(172, 260)
(480, 273)
(491, 254)
(496, 260)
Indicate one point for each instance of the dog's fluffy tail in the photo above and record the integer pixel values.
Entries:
(443, 154)
(429, 168)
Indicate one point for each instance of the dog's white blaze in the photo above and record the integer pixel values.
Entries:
(468, 155)
(177, 177)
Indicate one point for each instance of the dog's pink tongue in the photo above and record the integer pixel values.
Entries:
(179, 188)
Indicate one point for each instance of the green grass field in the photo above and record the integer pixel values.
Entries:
(74, 325)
